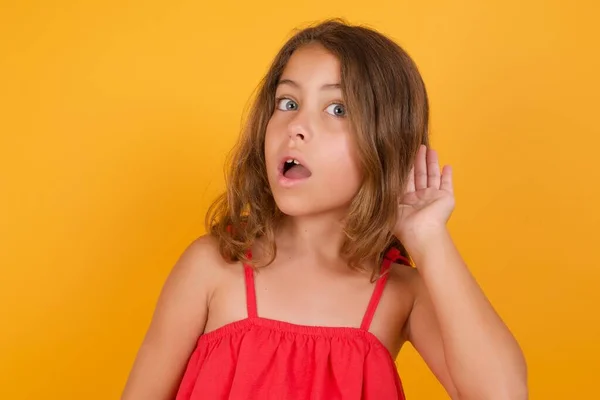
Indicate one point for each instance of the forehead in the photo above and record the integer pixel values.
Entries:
(312, 63)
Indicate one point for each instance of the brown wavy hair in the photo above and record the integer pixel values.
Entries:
(388, 111)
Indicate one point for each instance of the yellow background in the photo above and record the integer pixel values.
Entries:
(115, 118)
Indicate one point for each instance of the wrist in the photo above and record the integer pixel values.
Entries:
(420, 244)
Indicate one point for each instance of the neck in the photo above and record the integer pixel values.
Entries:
(313, 236)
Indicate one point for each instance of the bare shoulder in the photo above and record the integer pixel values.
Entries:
(408, 280)
(179, 319)
(405, 277)
(205, 248)
(396, 305)
(202, 256)
(406, 285)
(204, 263)
(191, 282)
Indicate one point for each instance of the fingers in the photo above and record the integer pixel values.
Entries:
(446, 181)
(426, 172)
(420, 175)
(433, 170)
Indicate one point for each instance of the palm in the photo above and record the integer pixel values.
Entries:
(428, 200)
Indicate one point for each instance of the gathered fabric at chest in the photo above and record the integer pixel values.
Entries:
(260, 358)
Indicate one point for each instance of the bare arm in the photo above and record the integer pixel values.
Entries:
(452, 324)
(458, 333)
(177, 323)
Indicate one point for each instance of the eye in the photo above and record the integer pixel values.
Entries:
(284, 104)
(337, 110)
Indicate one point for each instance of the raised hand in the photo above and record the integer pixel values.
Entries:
(428, 200)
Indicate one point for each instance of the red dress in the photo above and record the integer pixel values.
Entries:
(263, 359)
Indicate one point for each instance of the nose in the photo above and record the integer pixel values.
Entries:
(297, 135)
(299, 128)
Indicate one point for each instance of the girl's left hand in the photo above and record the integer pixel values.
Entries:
(428, 201)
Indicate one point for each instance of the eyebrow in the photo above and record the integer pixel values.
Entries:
(327, 86)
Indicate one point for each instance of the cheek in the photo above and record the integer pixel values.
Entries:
(345, 174)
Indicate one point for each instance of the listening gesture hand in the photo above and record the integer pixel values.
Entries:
(428, 201)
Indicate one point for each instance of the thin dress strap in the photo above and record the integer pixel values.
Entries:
(391, 256)
(250, 288)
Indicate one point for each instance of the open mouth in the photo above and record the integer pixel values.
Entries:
(292, 169)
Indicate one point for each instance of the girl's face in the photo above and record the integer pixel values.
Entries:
(309, 146)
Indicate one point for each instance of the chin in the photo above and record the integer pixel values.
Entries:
(299, 206)
(296, 207)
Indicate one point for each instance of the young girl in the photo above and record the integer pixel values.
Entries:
(304, 288)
